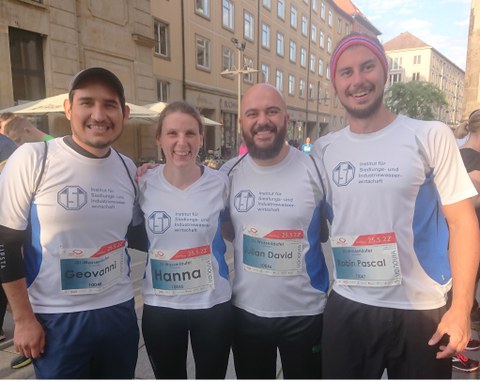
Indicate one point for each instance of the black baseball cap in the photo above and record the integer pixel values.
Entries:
(97, 74)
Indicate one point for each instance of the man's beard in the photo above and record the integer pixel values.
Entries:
(367, 112)
(268, 152)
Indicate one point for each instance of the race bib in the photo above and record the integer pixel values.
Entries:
(366, 260)
(182, 272)
(90, 271)
(273, 252)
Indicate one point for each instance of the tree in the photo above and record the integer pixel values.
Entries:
(416, 99)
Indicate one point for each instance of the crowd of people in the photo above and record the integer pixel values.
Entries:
(392, 198)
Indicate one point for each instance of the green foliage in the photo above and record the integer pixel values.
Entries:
(416, 99)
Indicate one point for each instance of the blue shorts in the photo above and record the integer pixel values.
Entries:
(94, 344)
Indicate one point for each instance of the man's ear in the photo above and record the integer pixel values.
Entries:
(67, 108)
(126, 113)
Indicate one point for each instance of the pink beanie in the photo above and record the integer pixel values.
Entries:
(358, 39)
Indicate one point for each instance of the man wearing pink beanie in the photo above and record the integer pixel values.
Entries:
(403, 232)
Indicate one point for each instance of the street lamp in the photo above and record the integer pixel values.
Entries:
(238, 71)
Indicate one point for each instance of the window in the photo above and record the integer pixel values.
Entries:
(339, 25)
(417, 59)
(330, 17)
(311, 91)
(266, 72)
(397, 63)
(322, 11)
(293, 51)
(248, 25)
(394, 78)
(280, 42)
(203, 53)
(279, 80)
(248, 63)
(227, 14)
(202, 7)
(315, 5)
(312, 63)
(162, 90)
(26, 60)
(329, 45)
(266, 36)
(301, 89)
(303, 58)
(314, 33)
(161, 38)
(227, 58)
(327, 73)
(293, 17)
(304, 25)
(320, 67)
(416, 76)
(281, 9)
(291, 85)
(322, 40)
(267, 3)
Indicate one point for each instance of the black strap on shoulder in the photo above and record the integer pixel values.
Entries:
(42, 169)
(237, 162)
(128, 173)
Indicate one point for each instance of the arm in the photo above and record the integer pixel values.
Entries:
(464, 250)
(475, 178)
(29, 337)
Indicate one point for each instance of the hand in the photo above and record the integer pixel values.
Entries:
(29, 338)
(456, 324)
(143, 169)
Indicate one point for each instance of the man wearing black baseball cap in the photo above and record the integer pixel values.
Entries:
(67, 205)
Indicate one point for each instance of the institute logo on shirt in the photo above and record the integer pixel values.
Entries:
(244, 201)
(343, 173)
(158, 222)
(72, 197)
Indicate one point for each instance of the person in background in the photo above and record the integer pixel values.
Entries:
(403, 232)
(21, 130)
(307, 146)
(68, 206)
(4, 118)
(281, 279)
(182, 201)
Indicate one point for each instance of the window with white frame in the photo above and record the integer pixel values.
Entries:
(303, 57)
(315, 5)
(314, 33)
(329, 45)
(267, 3)
(339, 25)
(227, 14)
(293, 51)
(312, 63)
(396, 62)
(322, 11)
(248, 63)
(301, 88)
(280, 44)
(322, 39)
(293, 16)
(291, 84)
(202, 7)
(327, 73)
(279, 80)
(203, 53)
(417, 59)
(266, 72)
(227, 58)
(330, 18)
(248, 25)
(281, 9)
(320, 67)
(311, 91)
(162, 90)
(266, 36)
(161, 38)
(304, 25)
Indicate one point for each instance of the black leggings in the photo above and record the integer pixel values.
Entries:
(166, 331)
(256, 340)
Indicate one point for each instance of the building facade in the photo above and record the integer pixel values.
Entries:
(413, 60)
(472, 70)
